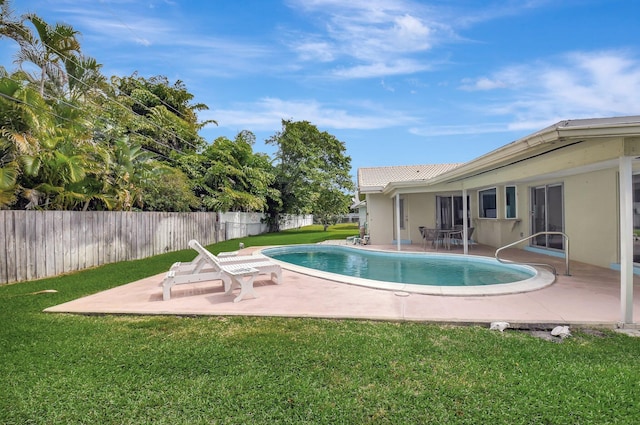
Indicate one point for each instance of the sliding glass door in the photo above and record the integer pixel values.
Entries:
(547, 204)
(449, 211)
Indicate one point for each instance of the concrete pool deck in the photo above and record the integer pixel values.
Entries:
(589, 297)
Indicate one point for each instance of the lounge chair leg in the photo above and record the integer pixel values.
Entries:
(166, 292)
(167, 284)
(276, 277)
(245, 281)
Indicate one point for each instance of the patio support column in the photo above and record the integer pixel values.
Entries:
(626, 239)
(398, 221)
(465, 223)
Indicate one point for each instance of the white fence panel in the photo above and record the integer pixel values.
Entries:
(289, 221)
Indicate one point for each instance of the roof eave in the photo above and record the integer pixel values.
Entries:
(370, 189)
(547, 136)
(393, 186)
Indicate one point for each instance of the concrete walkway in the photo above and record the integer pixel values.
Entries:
(589, 297)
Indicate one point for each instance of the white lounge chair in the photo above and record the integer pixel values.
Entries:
(234, 271)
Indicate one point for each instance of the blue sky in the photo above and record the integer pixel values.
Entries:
(399, 82)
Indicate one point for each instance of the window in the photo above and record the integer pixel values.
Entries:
(487, 203)
(449, 211)
(510, 202)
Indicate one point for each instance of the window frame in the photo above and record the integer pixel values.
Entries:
(515, 202)
(481, 209)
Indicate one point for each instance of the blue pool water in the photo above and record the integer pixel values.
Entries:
(412, 268)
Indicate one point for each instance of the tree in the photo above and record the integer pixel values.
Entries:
(66, 144)
(229, 176)
(330, 206)
(61, 163)
(164, 118)
(312, 172)
(85, 81)
(48, 158)
(13, 139)
(168, 189)
(10, 26)
(48, 50)
(9, 170)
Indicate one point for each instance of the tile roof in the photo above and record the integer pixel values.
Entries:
(379, 177)
(599, 122)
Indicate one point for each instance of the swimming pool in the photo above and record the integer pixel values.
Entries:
(429, 273)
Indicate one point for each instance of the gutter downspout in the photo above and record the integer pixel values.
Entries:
(626, 239)
(398, 221)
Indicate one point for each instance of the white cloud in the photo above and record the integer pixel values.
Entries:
(381, 69)
(370, 38)
(142, 41)
(513, 77)
(387, 87)
(315, 51)
(455, 130)
(267, 113)
(112, 27)
(410, 28)
(575, 85)
(482, 83)
(167, 41)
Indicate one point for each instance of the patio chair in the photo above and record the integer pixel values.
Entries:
(456, 239)
(432, 235)
(233, 270)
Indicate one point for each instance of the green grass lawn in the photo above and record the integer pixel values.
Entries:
(69, 369)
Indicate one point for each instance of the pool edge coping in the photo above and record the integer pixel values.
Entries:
(542, 279)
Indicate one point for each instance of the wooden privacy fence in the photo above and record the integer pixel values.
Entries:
(37, 244)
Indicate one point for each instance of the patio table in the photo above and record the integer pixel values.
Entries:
(445, 235)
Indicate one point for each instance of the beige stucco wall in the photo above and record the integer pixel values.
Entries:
(590, 211)
(591, 217)
(422, 212)
(501, 230)
(380, 218)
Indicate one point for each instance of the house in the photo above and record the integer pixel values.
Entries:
(576, 177)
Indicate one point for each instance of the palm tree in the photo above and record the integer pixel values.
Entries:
(131, 164)
(48, 50)
(16, 141)
(8, 175)
(9, 25)
(85, 78)
(46, 149)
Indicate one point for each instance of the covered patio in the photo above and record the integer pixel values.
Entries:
(570, 184)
